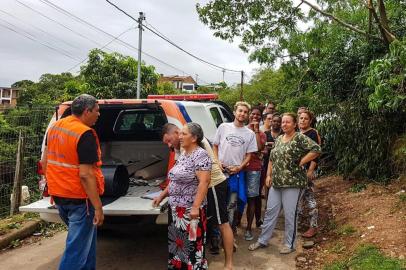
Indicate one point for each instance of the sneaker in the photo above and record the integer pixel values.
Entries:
(248, 236)
(214, 248)
(286, 250)
(256, 246)
(259, 223)
(310, 232)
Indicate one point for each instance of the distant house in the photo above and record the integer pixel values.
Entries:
(184, 83)
(8, 96)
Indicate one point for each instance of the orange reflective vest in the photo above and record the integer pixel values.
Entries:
(62, 171)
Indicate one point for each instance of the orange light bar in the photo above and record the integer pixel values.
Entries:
(185, 97)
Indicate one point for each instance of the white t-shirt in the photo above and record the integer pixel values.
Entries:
(234, 143)
(217, 175)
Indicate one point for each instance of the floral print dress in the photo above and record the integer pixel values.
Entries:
(183, 253)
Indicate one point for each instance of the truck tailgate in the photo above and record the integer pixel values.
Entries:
(130, 204)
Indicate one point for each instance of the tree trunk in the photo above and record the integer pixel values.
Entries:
(384, 21)
(339, 21)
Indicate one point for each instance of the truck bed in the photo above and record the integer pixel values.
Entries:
(130, 204)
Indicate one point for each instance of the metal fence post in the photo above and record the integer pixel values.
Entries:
(18, 177)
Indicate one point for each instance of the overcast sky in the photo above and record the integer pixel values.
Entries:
(23, 58)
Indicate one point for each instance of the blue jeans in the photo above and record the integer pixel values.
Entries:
(80, 250)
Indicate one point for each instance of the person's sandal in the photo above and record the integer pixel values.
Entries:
(256, 246)
(310, 233)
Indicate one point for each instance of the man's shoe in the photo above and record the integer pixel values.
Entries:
(256, 246)
(310, 232)
(286, 250)
(259, 223)
(214, 247)
(214, 250)
(248, 236)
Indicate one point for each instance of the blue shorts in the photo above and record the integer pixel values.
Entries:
(253, 180)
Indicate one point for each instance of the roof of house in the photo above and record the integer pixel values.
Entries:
(175, 78)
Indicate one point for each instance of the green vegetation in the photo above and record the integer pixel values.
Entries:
(338, 248)
(105, 75)
(15, 221)
(331, 225)
(358, 187)
(343, 59)
(368, 257)
(346, 229)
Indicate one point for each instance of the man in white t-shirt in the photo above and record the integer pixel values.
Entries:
(232, 146)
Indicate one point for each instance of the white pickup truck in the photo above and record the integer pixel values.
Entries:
(130, 135)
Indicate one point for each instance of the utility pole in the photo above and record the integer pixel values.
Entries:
(197, 76)
(224, 71)
(140, 19)
(242, 85)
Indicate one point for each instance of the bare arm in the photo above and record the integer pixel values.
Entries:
(89, 183)
(43, 160)
(204, 181)
(308, 157)
(268, 180)
(163, 195)
(216, 155)
(310, 171)
(237, 169)
(260, 145)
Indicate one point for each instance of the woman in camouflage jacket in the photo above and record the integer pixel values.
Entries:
(287, 178)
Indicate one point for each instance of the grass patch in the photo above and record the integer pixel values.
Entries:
(358, 187)
(346, 229)
(368, 257)
(331, 225)
(400, 203)
(338, 248)
(15, 222)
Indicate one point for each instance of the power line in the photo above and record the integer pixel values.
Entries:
(126, 44)
(171, 42)
(60, 24)
(35, 40)
(105, 45)
(35, 37)
(39, 29)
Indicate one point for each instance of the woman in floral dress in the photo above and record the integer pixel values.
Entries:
(187, 189)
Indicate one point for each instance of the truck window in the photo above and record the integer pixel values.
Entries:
(227, 117)
(136, 121)
(216, 116)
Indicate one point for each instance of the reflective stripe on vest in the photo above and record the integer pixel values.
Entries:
(66, 165)
(66, 131)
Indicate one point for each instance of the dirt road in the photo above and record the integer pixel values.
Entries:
(139, 247)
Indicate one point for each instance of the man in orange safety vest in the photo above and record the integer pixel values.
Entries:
(72, 163)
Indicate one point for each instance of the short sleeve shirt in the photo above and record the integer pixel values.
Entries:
(183, 180)
(216, 175)
(256, 159)
(286, 157)
(234, 143)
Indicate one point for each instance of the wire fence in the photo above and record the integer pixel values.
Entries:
(30, 124)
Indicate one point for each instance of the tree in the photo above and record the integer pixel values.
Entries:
(167, 88)
(50, 90)
(266, 26)
(113, 75)
(347, 66)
